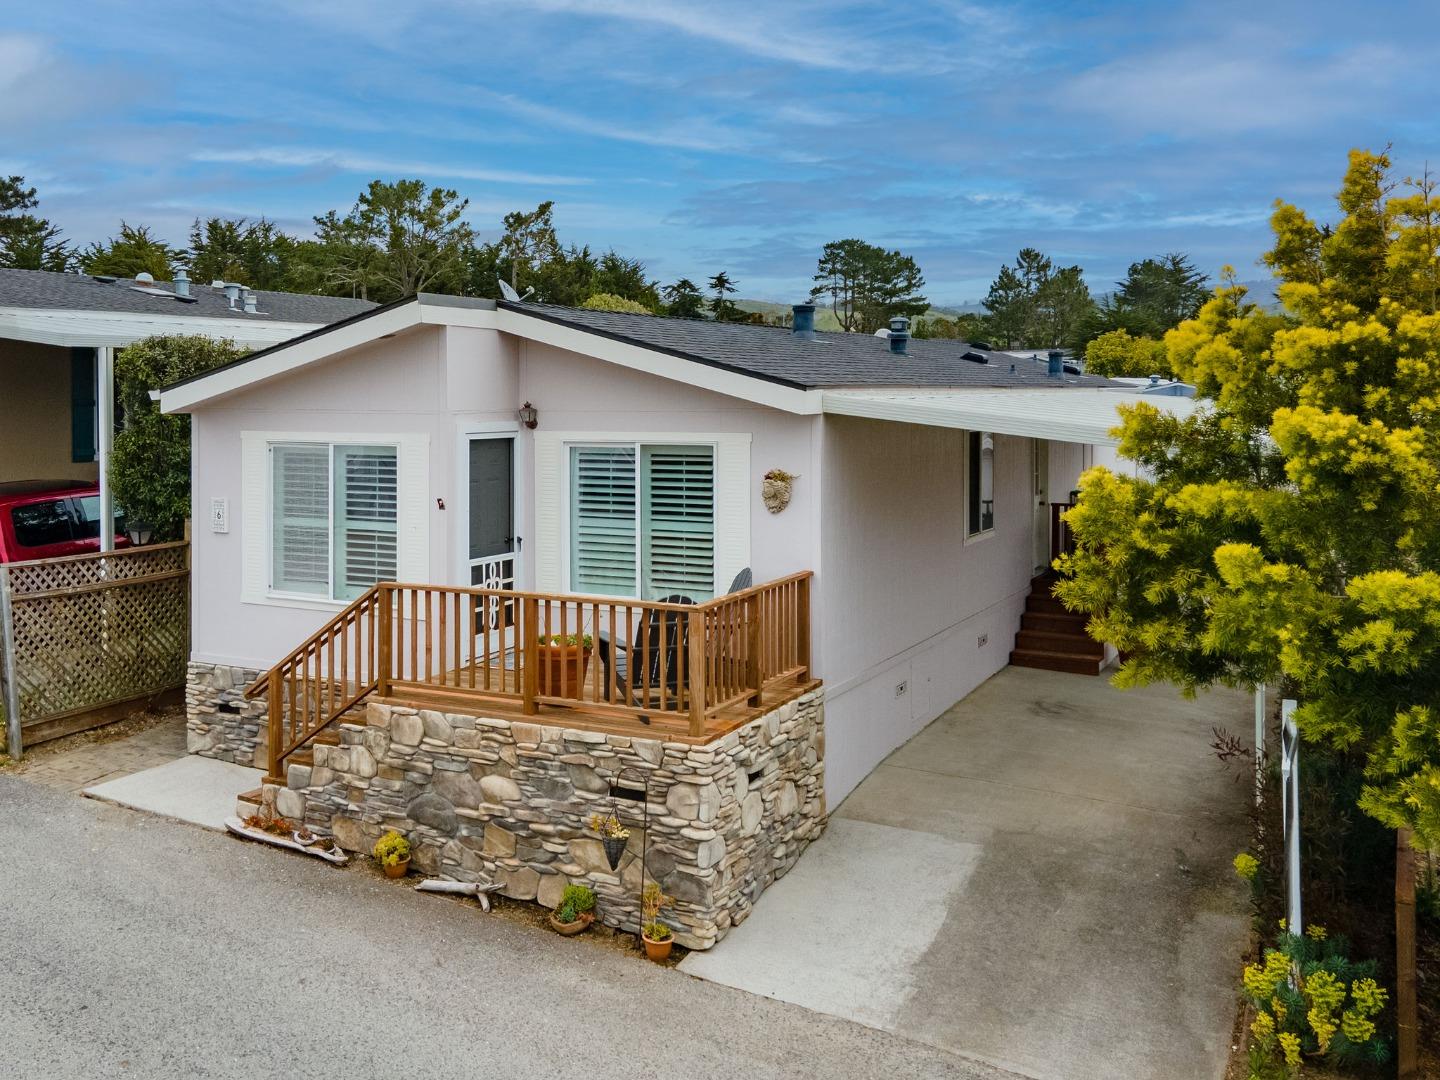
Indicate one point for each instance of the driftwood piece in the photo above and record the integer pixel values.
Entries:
(480, 890)
(239, 828)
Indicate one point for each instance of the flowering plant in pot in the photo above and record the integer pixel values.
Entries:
(564, 660)
(658, 937)
(576, 911)
(613, 835)
(392, 852)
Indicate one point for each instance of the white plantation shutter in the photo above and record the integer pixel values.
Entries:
(602, 520)
(678, 522)
(366, 545)
(300, 522)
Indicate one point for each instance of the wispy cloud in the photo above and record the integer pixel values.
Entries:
(694, 134)
(300, 158)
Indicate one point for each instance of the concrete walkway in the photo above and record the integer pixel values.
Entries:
(1040, 880)
(196, 790)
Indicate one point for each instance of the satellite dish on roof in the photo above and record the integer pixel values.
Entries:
(509, 293)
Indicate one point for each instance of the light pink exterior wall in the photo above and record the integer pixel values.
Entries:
(441, 382)
(878, 513)
(905, 597)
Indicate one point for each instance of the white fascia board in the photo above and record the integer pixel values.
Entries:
(639, 358)
(96, 329)
(291, 358)
(1075, 416)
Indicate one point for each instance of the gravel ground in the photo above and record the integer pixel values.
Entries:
(138, 947)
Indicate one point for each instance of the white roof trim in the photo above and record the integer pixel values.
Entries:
(361, 331)
(1072, 414)
(93, 329)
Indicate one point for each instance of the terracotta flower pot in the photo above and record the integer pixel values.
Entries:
(659, 951)
(570, 929)
(396, 870)
(562, 670)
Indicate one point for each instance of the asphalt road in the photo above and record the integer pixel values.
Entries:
(135, 947)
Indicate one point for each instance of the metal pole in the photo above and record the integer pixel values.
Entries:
(9, 680)
(1259, 744)
(105, 439)
(1290, 781)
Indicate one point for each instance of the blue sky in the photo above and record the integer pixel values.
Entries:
(739, 135)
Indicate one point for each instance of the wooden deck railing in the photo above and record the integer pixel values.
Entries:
(679, 664)
(1062, 539)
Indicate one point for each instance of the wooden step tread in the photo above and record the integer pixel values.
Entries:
(1046, 605)
(1051, 661)
(249, 796)
(1068, 644)
(1051, 623)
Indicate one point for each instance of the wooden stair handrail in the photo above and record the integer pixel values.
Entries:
(263, 680)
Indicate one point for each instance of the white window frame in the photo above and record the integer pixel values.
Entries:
(639, 449)
(733, 491)
(412, 524)
(984, 534)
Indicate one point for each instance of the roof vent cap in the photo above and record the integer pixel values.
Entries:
(976, 357)
(1057, 364)
(144, 278)
(899, 334)
(803, 322)
(232, 293)
(251, 303)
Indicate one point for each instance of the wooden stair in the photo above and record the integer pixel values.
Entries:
(1052, 638)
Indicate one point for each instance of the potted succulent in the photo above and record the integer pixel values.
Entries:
(392, 852)
(613, 835)
(657, 936)
(576, 911)
(564, 660)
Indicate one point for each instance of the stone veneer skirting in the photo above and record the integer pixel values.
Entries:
(496, 800)
(219, 722)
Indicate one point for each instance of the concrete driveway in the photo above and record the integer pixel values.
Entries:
(1039, 880)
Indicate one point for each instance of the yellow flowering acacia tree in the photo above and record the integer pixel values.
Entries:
(1292, 527)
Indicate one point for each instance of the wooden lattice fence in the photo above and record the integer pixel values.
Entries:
(87, 633)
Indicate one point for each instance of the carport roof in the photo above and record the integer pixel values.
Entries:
(1074, 414)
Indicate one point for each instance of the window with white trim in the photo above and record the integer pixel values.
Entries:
(980, 483)
(642, 520)
(333, 518)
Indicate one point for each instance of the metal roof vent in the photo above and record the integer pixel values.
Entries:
(803, 323)
(974, 357)
(251, 303)
(1057, 364)
(144, 278)
(899, 334)
(232, 293)
(182, 285)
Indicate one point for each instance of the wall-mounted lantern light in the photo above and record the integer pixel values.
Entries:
(140, 533)
(528, 416)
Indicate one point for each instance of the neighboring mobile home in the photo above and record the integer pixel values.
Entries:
(544, 454)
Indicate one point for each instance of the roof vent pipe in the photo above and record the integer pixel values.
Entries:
(182, 283)
(1154, 380)
(232, 293)
(252, 304)
(1057, 364)
(899, 334)
(803, 322)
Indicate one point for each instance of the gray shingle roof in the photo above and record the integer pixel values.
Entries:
(830, 361)
(80, 292)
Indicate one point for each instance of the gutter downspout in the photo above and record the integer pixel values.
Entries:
(105, 439)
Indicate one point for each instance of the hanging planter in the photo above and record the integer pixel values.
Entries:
(775, 489)
(613, 836)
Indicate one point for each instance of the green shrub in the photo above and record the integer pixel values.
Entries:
(392, 849)
(150, 466)
(1311, 1000)
(579, 897)
(611, 302)
(584, 640)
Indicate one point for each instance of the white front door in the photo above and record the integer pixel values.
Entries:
(1040, 494)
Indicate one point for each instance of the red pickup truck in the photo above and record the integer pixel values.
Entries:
(40, 519)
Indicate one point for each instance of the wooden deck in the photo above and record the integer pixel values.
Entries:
(674, 671)
(717, 725)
